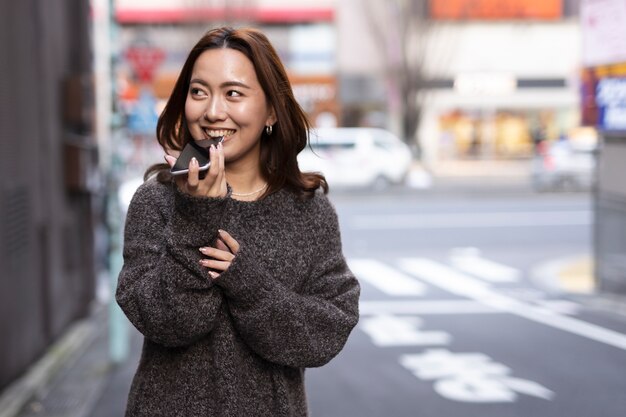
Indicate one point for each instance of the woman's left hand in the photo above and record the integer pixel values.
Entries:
(220, 256)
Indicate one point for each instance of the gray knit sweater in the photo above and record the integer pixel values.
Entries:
(236, 346)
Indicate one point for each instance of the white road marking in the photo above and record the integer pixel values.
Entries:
(460, 284)
(469, 260)
(387, 331)
(425, 307)
(386, 279)
(471, 377)
(471, 220)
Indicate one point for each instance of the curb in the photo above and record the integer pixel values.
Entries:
(572, 275)
(67, 349)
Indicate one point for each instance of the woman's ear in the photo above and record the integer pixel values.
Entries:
(271, 118)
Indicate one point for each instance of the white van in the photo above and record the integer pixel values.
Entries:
(358, 157)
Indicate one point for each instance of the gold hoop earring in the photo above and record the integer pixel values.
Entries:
(268, 130)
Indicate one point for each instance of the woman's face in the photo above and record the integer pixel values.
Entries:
(226, 99)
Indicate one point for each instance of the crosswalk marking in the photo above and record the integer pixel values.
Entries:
(386, 279)
(461, 284)
(469, 260)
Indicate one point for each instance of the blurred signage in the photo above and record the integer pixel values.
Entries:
(603, 97)
(485, 84)
(496, 9)
(611, 100)
(589, 107)
(144, 60)
(161, 11)
(317, 95)
(603, 24)
(142, 119)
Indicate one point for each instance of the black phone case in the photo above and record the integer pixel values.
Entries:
(189, 151)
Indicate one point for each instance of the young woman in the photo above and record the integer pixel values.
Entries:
(236, 278)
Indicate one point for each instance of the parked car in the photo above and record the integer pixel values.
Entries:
(357, 157)
(563, 166)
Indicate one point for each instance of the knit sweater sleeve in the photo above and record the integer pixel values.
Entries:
(162, 289)
(304, 328)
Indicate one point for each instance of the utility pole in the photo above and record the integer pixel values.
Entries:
(104, 38)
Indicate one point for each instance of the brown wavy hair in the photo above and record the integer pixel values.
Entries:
(278, 161)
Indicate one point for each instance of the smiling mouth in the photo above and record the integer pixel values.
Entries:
(216, 133)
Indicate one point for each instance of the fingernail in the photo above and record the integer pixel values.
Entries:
(203, 262)
(220, 231)
(213, 274)
(194, 161)
(203, 250)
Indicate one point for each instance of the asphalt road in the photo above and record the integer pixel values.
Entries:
(456, 320)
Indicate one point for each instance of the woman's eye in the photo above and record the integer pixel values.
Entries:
(233, 93)
(196, 91)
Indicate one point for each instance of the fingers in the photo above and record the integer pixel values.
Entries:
(232, 244)
(193, 177)
(213, 264)
(170, 160)
(211, 185)
(215, 173)
(219, 244)
(220, 163)
(219, 254)
(221, 259)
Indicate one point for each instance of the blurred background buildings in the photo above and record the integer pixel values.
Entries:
(83, 83)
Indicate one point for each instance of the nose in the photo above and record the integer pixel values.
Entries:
(215, 110)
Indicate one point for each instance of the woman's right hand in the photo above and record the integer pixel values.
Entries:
(213, 184)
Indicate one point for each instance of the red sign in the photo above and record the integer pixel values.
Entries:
(144, 60)
(496, 9)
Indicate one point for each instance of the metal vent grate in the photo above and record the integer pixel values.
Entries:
(14, 220)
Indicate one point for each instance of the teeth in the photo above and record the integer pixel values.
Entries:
(218, 133)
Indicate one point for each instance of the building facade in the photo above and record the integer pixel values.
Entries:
(494, 75)
(48, 181)
(604, 105)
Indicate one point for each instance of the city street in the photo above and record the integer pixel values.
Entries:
(475, 155)
(459, 315)
(457, 319)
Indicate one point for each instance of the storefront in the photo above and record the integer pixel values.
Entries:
(503, 78)
(604, 106)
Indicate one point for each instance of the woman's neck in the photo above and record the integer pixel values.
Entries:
(247, 183)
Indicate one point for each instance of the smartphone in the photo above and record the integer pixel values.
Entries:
(198, 149)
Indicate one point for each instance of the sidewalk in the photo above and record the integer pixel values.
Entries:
(575, 277)
(75, 375)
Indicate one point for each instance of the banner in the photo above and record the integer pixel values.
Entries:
(496, 9)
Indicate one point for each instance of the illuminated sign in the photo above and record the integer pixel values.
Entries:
(611, 100)
(496, 9)
(182, 11)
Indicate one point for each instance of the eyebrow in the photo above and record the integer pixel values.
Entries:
(225, 84)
